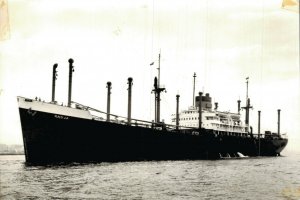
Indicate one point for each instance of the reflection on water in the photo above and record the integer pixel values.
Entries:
(253, 178)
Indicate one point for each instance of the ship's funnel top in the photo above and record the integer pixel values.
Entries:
(205, 101)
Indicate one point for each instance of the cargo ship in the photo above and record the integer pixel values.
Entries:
(55, 133)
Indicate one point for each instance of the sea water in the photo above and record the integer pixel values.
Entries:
(250, 178)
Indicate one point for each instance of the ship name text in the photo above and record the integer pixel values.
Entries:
(61, 117)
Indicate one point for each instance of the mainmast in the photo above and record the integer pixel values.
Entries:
(157, 90)
(248, 106)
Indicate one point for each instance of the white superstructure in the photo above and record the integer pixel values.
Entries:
(211, 119)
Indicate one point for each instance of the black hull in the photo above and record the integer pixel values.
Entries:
(51, 139)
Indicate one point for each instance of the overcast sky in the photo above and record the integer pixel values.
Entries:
(222, 41)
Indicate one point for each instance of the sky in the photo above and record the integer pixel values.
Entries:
(223, 42)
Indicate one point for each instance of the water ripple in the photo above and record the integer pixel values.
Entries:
(255, 178)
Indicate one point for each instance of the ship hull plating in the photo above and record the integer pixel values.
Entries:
(52, 138)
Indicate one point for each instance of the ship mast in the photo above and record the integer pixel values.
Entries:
(157, 90)
(248, 106)
(247, 82)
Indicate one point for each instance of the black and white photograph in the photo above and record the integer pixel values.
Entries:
(148, 99)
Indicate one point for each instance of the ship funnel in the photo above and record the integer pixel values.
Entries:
(278, 122)
(177, 111)
(200, 110)
(129, 100)
(71, 70)
(54, 77)
(108, 101)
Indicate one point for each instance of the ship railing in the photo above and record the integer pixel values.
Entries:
(38, 99)
(95, 117)
(134, 122)
(124, 121)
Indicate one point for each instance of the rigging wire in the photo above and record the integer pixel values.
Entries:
(152, 59)
(262, 37)
(207, 46)
(152, 29)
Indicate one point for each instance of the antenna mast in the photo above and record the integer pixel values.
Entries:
(247, 82)
(194, 89)
(158, 68)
